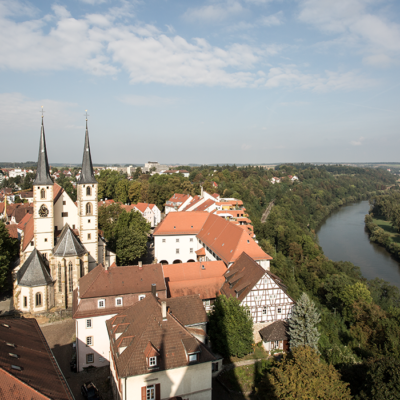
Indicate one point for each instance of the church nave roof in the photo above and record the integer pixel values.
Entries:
(34, 271)
(68, 245)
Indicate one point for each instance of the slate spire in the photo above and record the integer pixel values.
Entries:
(87, 175)
(43, 172)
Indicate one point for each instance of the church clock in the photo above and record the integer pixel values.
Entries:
(43, 211)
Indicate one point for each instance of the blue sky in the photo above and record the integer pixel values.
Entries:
(251, 81)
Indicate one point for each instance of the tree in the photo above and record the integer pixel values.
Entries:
(121, 191)
(108, 217)
(230, 328)
(303, 375)
(302, 326)
(8, 250)
(137, 173)
(134, 191)
(354, 293)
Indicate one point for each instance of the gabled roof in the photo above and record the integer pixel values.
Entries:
(43, 172)
(182, 223)
(142, 206)
(20, 212)
(241, 277)
(146, 324)
(68, 245)
(205, 205)
(179, 198)
(278, 330)
(57, 192)
(12, 231)
(121, 280)
(24, 221)
(228, 241)
(34, 271)
(39, 377)
(189, 310)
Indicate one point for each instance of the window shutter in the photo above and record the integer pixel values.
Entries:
(158, 391)
(144, 393)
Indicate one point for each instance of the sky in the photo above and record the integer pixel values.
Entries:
(217, 81)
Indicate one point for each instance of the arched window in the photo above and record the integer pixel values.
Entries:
(59, 278)
(88, 209)
(70, 278)
(88, 191)
(38, 299)
(81, 265)
(42, 194)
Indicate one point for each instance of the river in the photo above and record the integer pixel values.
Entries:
(343, 237)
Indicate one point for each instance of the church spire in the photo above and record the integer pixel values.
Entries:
(87, 175)
(43, 172)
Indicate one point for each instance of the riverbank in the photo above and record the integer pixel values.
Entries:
(382, 232)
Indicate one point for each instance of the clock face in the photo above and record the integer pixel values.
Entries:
(43, 211)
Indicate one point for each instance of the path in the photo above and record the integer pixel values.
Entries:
(267, 211)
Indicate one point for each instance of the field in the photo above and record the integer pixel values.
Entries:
(387, 227)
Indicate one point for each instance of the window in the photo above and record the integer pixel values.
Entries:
(88, 191)
(141, 297)
(192, 357)
(89, 358)
(152, 361)
(59, 278)
(64, 214)
(88, 221)
(88, 323)
(25, 301)
(177, 251)
(89, 236)
(191, 239)
(191, 250)
(101, 303)
(45, 239)
(73, 226)
(38, 299)
(248, 312)
(89, 340)
(32, 243)
(81, 267)
(70, 278)
(177, 240)
(64, 203)
(206, 302)
(42, 194)
(150, 392)
(264, 311)
(88, 209)
(279, 310)
(163, 240)
(118, 301)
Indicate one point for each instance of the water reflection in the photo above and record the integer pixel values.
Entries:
(343, 237)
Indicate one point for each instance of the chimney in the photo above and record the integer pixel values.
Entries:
(202, 194)
(106, 265)
(140, 264)
(164, 310)
(153, 289)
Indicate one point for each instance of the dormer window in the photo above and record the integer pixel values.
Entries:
(118, 301)
(193, 357)
(152, 362)
(101, 303)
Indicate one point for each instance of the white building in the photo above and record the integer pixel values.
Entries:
(13, 173)
(150, 212)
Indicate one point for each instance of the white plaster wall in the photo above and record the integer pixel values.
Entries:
(43, 226)
(167, 250)
(191, 382)
(101, 341)
(70, 208)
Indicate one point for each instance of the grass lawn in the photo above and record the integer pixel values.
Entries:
(247, 378)
(387, 227)
(259, 353)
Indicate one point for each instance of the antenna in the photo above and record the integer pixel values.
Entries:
(86, 114)
(43, 112)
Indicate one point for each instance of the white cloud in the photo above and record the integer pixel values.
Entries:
(94, 2)
(368, 30)
(331, 81)
(214, 12)
(358, 142)
(273, 19)
(152, 101)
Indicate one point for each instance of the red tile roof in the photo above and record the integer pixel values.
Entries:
(1, 208)
(39, 370)
(28, 233)
(189, 310)
(57, 192)
(204, 278)
(181, 223)
(229, 241)
(205, 205)
(201, 252)
(24, 221)
(144, 324)
(179, 198)
(142, 206)
(12, 231)
(121, 280)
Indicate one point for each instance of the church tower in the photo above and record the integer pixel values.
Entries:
(43, 206)
(87, 205)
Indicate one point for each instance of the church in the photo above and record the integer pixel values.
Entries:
(60, 241)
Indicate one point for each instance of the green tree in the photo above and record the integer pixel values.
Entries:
(303, 324)
(230, 328)
(354, 293)
(121, 191)
(8, 251)
(108, 217)
(137, 173)
(303, 375)
(134, 191)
